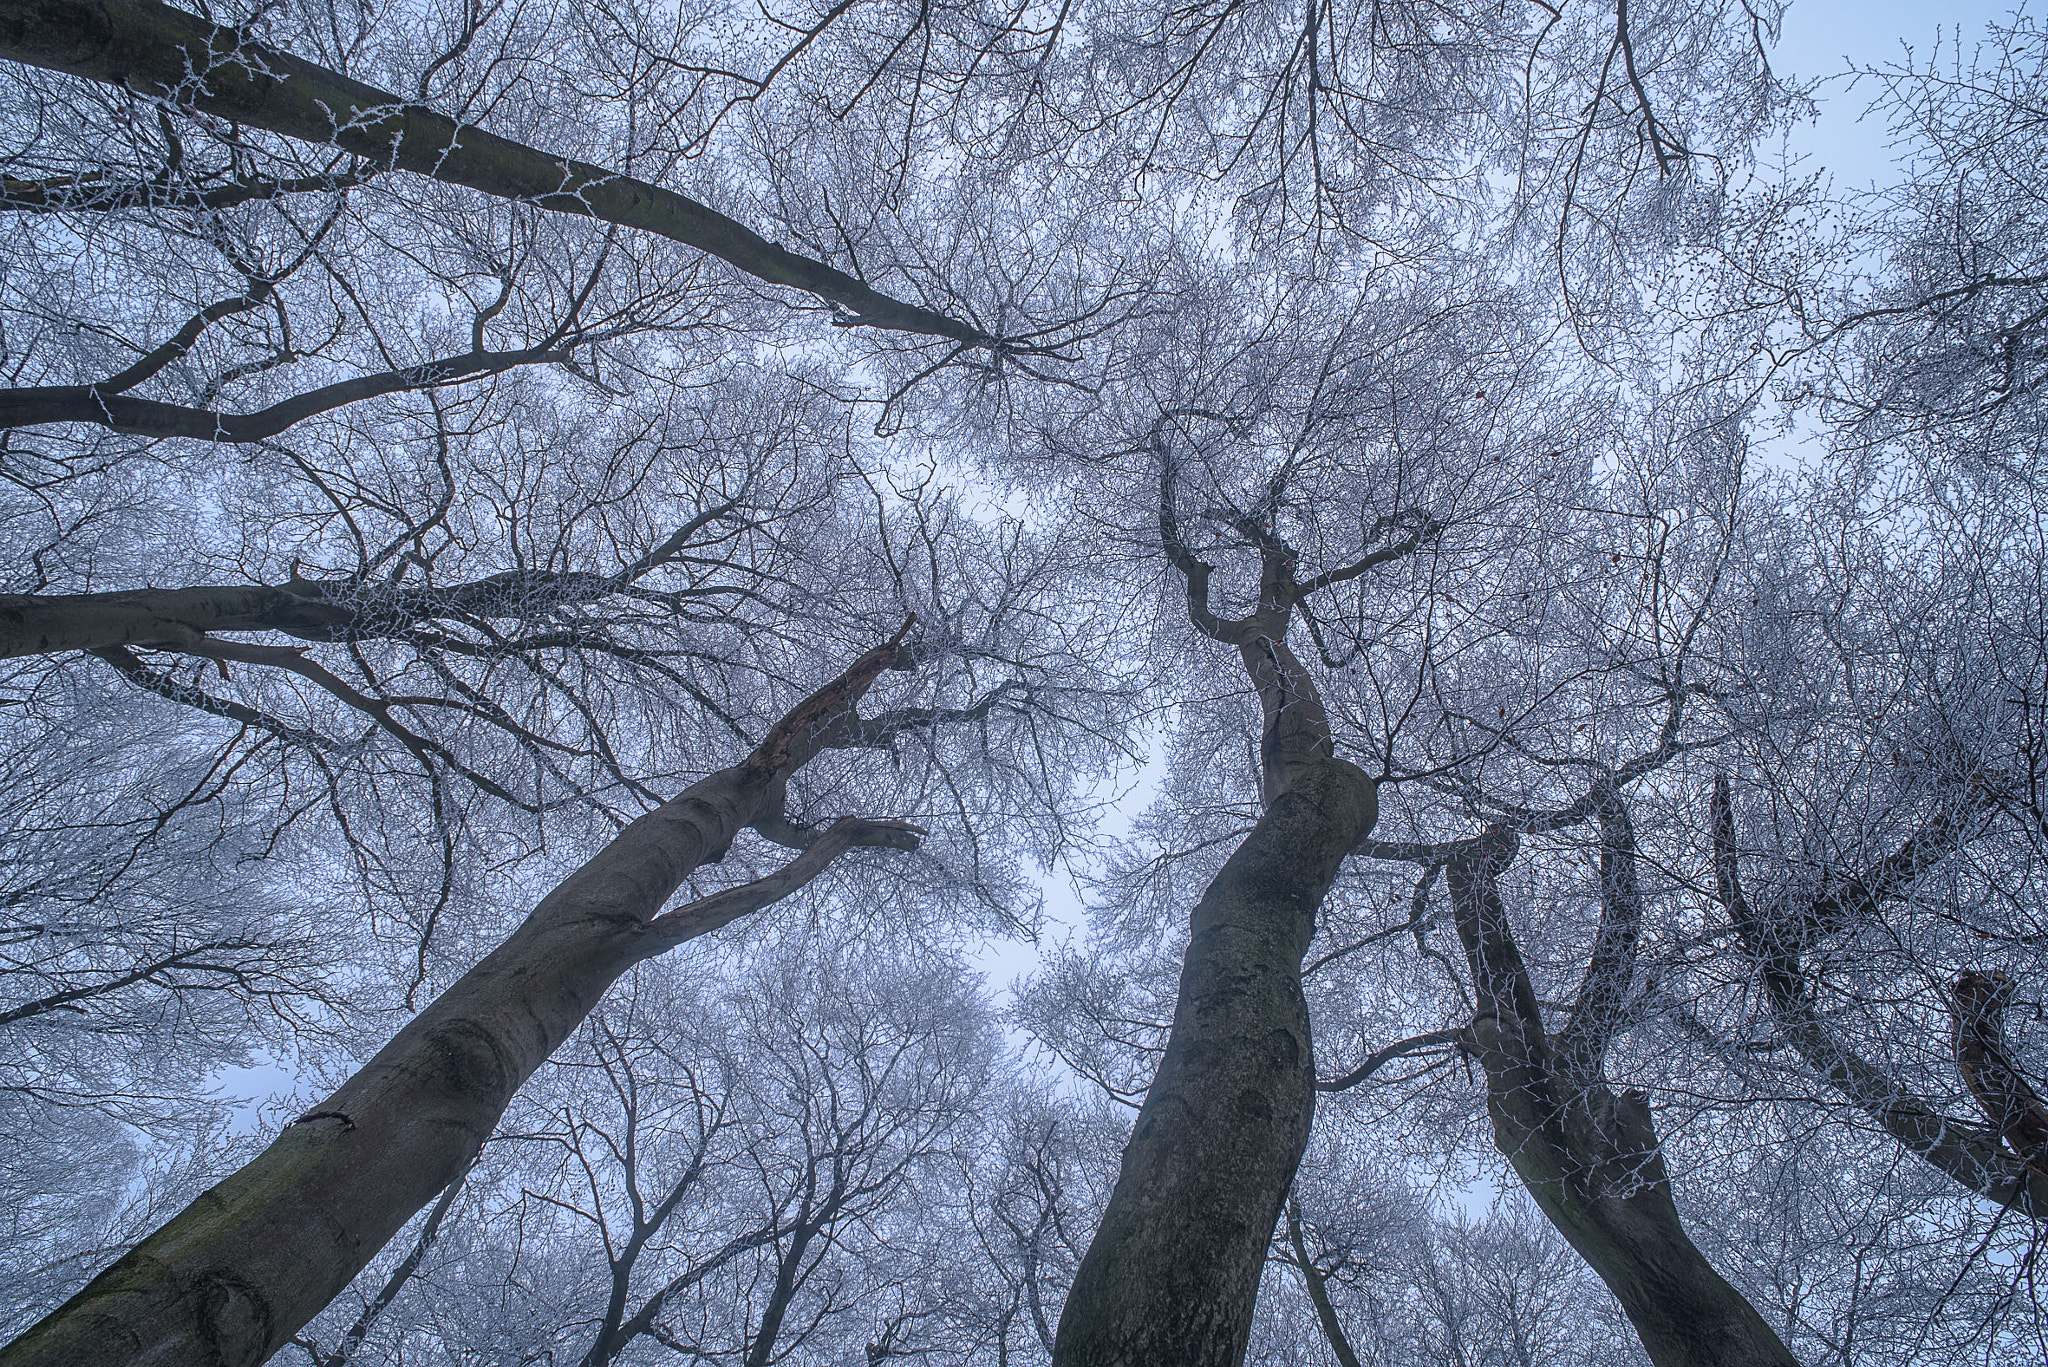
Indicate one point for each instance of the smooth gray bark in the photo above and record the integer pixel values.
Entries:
(1173, 1273)
(150, 48)
(241, 1270)
(1589, 1156)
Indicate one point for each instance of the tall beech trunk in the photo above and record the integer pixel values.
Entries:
(1590, 1156)
(1172, 1276)
(150, 48)
(1173, 1273)
(242, 1269)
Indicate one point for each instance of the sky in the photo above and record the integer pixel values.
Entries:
(1820, 39)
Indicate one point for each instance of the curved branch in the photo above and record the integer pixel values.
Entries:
(1970, 1156)
(1977, 1006)
(1425, 528)
(131, 668)
(103, 406)
(189, 960)
(1379, 1058)
(1194, 572)
(721, 908)
(1597, 1010)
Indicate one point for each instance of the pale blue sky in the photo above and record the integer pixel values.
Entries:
(1824, 37)
(1821, 38)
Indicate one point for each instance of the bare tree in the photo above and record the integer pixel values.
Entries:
(409, 478)
(345, 1176)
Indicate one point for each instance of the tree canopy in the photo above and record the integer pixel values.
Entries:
(584, 581)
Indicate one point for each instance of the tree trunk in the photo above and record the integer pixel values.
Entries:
(41, 624)
(1590, 1157)
(244, 1267)
(1318, 1283)
(150, 48)
(1173, 1272)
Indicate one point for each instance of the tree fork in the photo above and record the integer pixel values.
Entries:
(242, 1269)
(1588, 1156)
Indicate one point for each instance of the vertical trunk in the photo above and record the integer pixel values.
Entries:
(230, 1279)
(1590, 1157)
(1173, 1272)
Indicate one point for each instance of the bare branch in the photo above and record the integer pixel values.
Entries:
(148, 47)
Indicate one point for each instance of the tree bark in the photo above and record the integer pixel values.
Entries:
(1775, 939)
(1173, 1273)
(311, 610)
(152, 49)
(241, 1270)
(1977, 1004)
(1589, 1156)
(45, 624)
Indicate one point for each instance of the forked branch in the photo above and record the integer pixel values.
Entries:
(1969, 1155)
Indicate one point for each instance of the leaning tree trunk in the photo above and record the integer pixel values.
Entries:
(1173, 1273)
(1590, 1157)
(245, 1266)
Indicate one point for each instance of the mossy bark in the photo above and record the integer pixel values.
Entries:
(1173, 1273)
